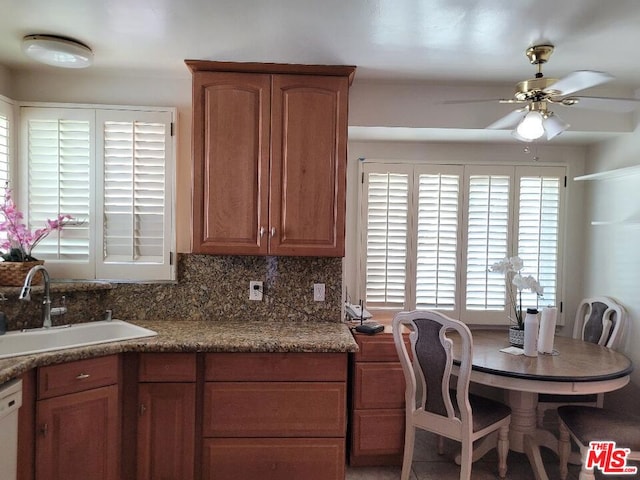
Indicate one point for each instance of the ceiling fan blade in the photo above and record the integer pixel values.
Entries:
(510, 120)
(610, 104)
(486, 100)
(578, 80)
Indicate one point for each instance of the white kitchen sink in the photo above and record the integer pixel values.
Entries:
(39, 340)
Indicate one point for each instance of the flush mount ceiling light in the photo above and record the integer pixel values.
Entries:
(536, 121)
(57, 51)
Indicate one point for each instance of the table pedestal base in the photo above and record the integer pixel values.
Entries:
(524, 435)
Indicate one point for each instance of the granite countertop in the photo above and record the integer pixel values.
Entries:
(204, 336)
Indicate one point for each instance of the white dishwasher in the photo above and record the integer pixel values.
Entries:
(10, 402)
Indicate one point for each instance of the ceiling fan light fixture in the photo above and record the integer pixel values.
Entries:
(554, 125)
(530, 127)
(57, 51)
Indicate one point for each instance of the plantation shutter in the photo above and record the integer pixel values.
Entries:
(5, 159)
(487, 237)
(59, 155)
(386, 207)
(111, 169)
(4, 145)
(538, 226)
(135, 208)
(431, 232)
(438, 191)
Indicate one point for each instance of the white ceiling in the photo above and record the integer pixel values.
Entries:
(407, 40)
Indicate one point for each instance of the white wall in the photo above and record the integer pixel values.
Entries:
(5, 82)
(480, 153)
(612, 260)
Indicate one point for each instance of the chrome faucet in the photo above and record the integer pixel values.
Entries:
(25, 293)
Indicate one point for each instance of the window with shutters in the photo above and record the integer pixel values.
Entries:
(6, 147)
(112, 170)
(431, 232)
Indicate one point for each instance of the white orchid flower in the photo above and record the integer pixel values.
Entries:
(516, 263)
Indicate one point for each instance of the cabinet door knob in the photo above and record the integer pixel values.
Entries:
(273, 231)
(44, 429)
(142, 409)
(82, 376)
(261, 232)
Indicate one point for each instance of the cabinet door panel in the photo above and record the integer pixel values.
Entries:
(378, 432)
(379, 385)
(308, 161)
(231, 162)
(273, 459)
(166, 431)
(274, 409)
(77, 436)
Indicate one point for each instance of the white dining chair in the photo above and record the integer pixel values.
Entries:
(430, 402)
(599, 320)
(591, 424)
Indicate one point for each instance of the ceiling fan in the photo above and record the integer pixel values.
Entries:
(534, 120)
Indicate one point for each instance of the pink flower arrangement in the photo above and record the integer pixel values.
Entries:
(20, 240)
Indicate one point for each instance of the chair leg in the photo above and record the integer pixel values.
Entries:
(586, 474)
(409, 442)
(564, 449)
(466, 460)
(503, 450)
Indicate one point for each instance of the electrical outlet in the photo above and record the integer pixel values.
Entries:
(255, 290)
(318, 292)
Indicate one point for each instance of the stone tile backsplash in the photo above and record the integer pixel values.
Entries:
(208, 288)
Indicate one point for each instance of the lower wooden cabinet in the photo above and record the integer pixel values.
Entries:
(187, 416)
(77, 434)
(377, 419)
(166, 416)
(280, 416)
(166, 431)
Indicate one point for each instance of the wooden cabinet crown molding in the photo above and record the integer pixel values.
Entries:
(279, 68)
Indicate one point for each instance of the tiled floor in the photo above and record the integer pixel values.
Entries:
(428, 465)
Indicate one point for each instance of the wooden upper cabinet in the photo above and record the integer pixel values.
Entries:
(231, 163)
(308, 165)
(270, 144)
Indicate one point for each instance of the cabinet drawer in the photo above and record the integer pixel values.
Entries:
(275, 409)
(273, 459)
(378, 432)
(378, 348)
(54, 380)
(167, 367)
(276, 367)
(378, 385)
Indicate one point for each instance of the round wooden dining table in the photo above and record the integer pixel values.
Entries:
(575, 367)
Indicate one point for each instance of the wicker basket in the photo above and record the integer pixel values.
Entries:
(12, 274)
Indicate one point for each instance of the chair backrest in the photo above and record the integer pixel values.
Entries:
(600, 320)
(429, 375)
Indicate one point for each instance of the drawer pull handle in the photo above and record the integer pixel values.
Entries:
(142, 409)
(82, 376)
(44, 429)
